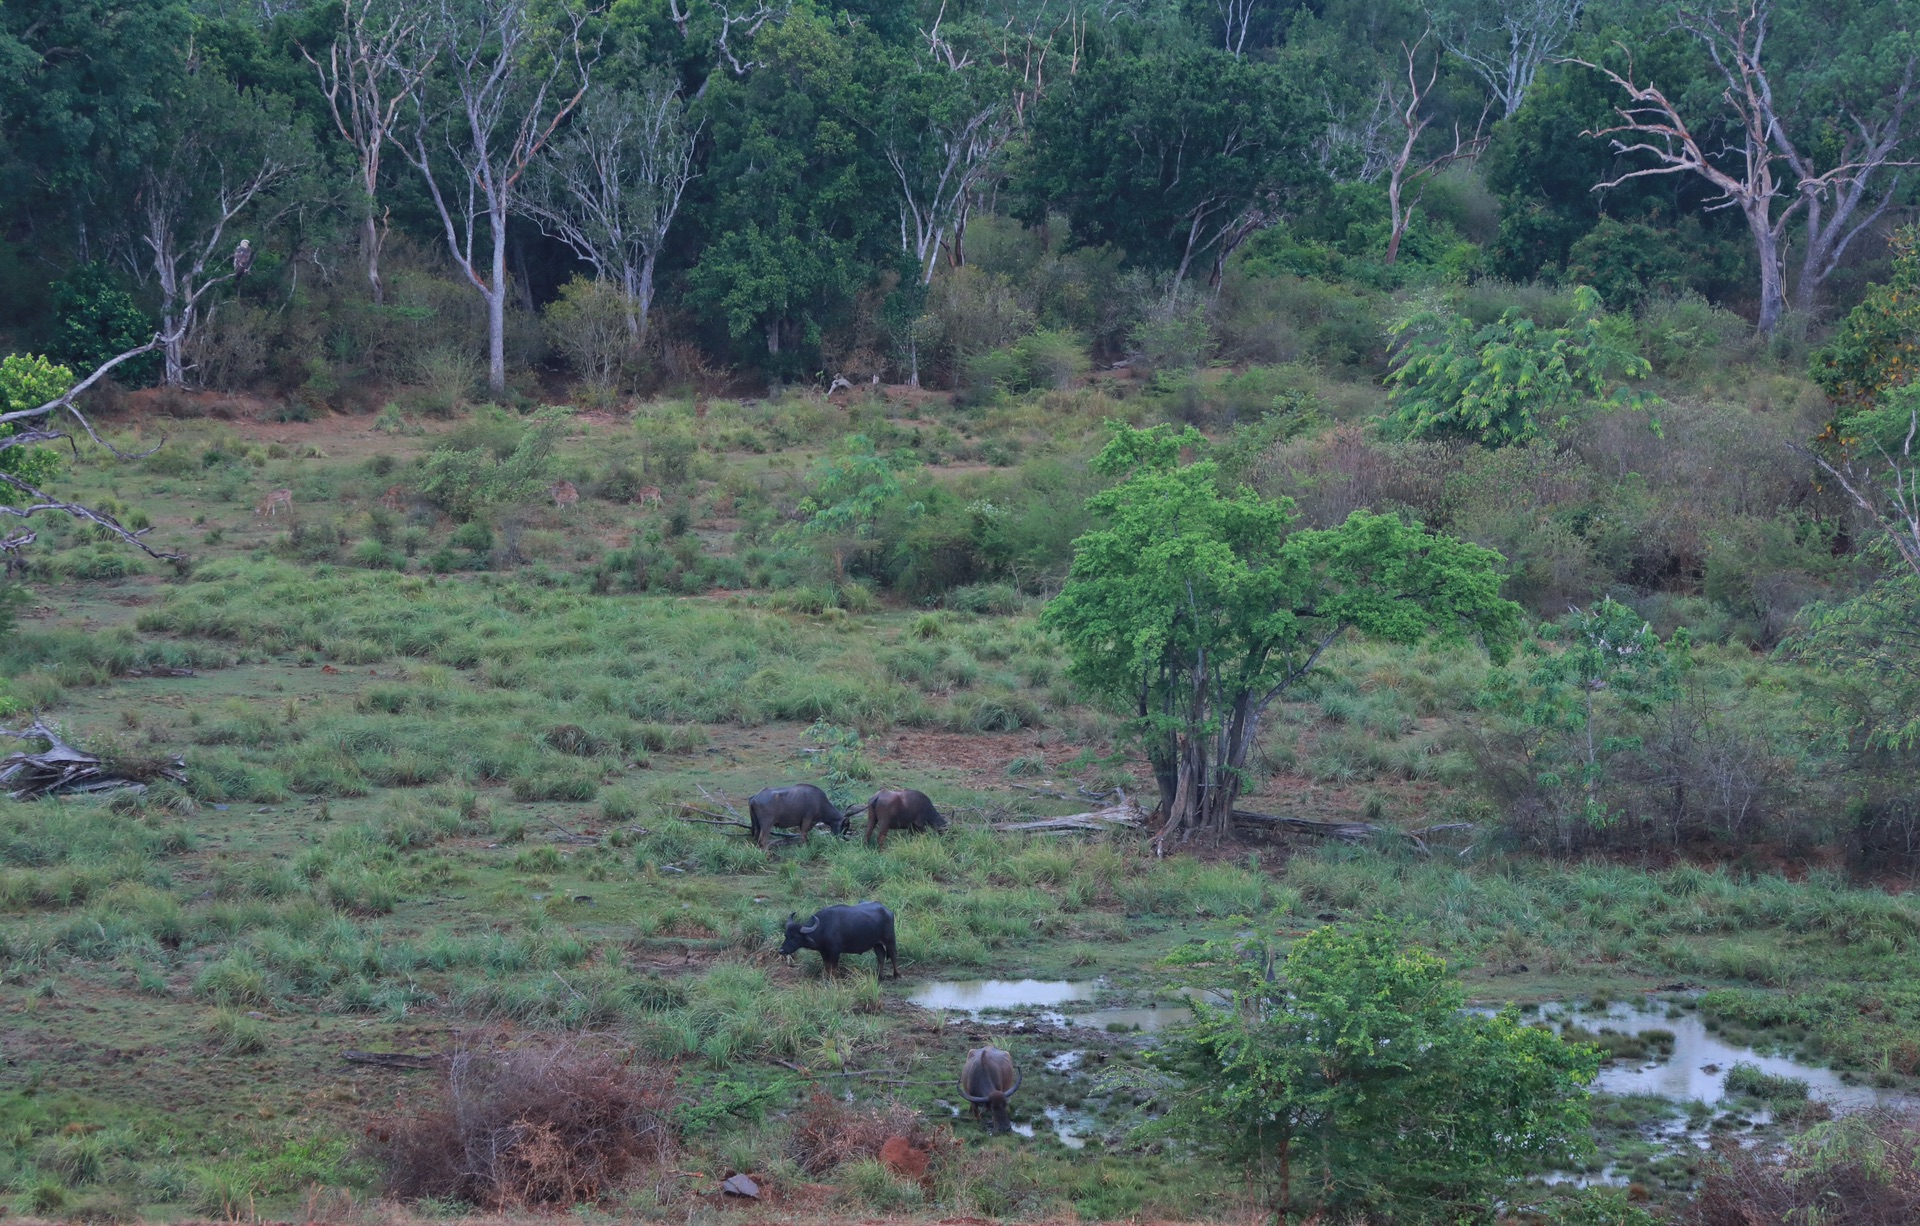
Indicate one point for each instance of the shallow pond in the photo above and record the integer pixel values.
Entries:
(1696, 1071)
(1061, 1002)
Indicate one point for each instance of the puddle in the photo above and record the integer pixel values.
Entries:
(1064, 1128)
(1049, 997)
(976, 995)
(1697, 1069)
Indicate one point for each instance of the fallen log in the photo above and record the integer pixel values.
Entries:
(63, 768)
(1346, 832)
(392, 1059)
(1350, 832)
(1126, 815)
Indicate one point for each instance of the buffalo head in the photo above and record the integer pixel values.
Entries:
(801, 936)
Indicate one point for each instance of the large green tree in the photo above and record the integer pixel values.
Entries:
(1175, 156)
(792, 215)
(1194, 607)
(1357, 1086)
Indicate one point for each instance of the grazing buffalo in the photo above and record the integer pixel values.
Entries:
(801, 805)
(988, 1080)
(834, 931)
(903, 811)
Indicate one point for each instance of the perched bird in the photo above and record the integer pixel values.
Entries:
(243, 257)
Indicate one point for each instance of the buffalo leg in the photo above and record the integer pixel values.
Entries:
(832, 964)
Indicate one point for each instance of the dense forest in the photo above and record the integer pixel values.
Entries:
(1387, 531)
(793, 192)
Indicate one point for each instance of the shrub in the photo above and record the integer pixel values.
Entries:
(827, 1132)
(538, 1126)
(588, 323)
(1752, 1080)
(1862, 1169)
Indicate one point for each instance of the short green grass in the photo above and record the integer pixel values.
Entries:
(445, 804)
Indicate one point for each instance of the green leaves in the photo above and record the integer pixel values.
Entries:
(1501, 384)
(28, 381)
(1355, 1081)
(1193, 608)
(1610, 663)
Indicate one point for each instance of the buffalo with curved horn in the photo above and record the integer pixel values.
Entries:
(833, 931)
(988, 1079)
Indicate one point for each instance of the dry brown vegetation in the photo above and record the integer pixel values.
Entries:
(556, 1125)
(1860, 1170)
(828, 1132)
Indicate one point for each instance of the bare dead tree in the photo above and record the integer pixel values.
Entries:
(227, 153)
(1407, 171)
(1886, 486)
(1354, 147)
(1766, 174)
(746, 24)
(510, 89)
(1505, 42)
(1236, 18)
(612, 184)
(367, 79)
(37, 425)
(936, 178)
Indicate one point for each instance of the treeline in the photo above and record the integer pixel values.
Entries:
(304, 196)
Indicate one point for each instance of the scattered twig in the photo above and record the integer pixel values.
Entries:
(572, 836)
(1044, 792)
(722, 801)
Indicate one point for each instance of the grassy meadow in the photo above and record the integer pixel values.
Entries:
(439, 734)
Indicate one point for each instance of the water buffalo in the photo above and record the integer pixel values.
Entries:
(834, 931)
(988, 1080)
(900, 810)
(801, 805)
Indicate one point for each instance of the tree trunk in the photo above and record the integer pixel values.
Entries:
(172, 348)
(773, 336)
(645, 298)
(1767, 246)
(1286, 1176)
(370, 248)
(1397, 216)
(496, 296)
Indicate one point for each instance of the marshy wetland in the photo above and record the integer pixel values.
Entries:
(459, 804)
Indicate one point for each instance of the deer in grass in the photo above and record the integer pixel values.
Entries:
(649, 496)
(395, 499)
(564, 494)
(275, 500)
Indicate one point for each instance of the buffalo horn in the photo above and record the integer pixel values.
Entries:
(1017, 1076)
(963, 1091)
(812, 927)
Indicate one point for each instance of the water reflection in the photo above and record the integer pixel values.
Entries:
(1052, 998)
(1697, 1069)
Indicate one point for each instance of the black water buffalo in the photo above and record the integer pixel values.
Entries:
(834, 931)
(988, 1080)
(801, 805)
(900, 810)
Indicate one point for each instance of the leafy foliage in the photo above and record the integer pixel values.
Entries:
(1192, 609)
(468, 480)
(28, 381)
(1876, 346)
(1356, 1083)
(1609, 658)
(1503, 383)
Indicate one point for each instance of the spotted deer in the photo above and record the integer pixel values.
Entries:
(649, 496)
(275, 500)
(564, 494)
(395, 499)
